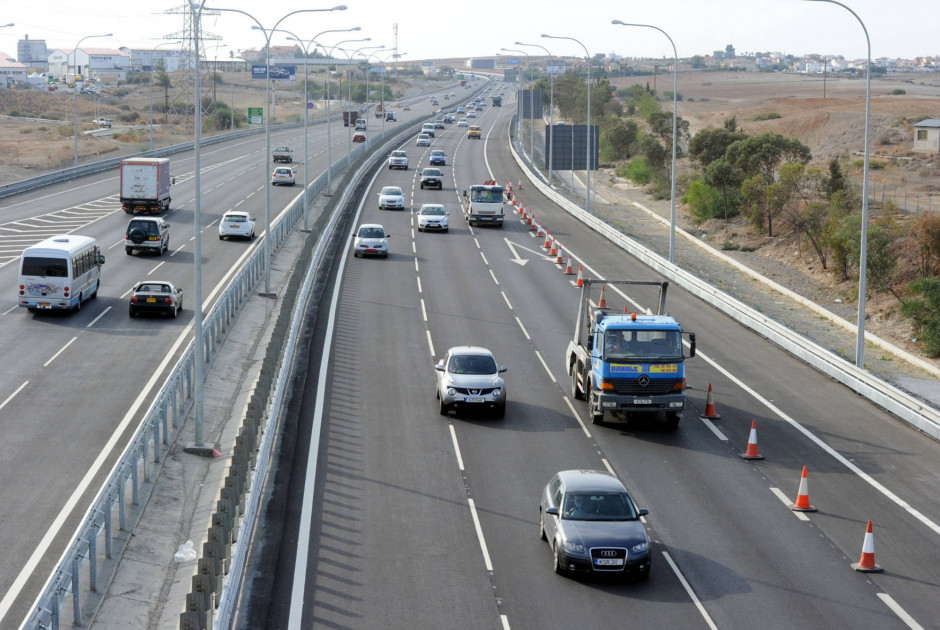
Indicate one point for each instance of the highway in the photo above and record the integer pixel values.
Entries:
(393, 516)
(77, 384)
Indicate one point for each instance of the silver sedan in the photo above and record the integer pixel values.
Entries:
(468, 378)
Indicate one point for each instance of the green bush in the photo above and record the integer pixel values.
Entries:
(766, 116)
(898, 92)
(637, 170)
(704, 202)
(924, 312)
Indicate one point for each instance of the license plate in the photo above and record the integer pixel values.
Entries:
(151, 300)
(371, 251)
(608, 562)
(234, 226)
(45, 305)
(642, 401)
(473, 399)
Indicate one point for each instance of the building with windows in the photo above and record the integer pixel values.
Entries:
(106, 63)
(927, 136)
(33, 53)
(12, 72)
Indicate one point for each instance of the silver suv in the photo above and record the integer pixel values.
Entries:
(398, 159)
(150, 233)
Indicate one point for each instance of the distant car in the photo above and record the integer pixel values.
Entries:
(424, 140)
(392, 198)
(428, 128)
(473, 132)
(236, 223)
(468, 378)
(103, 122)
(479, 107)
(449, 118)
(359, 137)
(398, 159)
(461, 110)
(463, 122)
(155, 296)
(593, 525)
(439, 124)
(371, 240)
(432, 178)
(438, 158)
(283, 175)
(433, 217)
(390, 117)
(447, 97)
(147, 233)
(406, 108)
(471, 114)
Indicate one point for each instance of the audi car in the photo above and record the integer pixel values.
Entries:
(468, 379)
(593, 526)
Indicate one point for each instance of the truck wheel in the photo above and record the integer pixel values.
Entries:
(597, 416)
(672, 420)
(576, 392)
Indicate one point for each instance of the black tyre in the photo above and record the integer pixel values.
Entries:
(672, 420)
(576, 392)
(441, 407)
(128, 250)
(542, 534)
(597, 417)
(556, 561)
(221, 238)
(132, 313)
(500, 411)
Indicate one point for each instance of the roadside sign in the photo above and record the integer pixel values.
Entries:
(255, 115)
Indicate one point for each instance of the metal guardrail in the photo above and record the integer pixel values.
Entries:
(910, 409)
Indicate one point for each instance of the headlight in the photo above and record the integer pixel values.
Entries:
(497, 392)
(573, 547)
(451, 391)
(639, 548)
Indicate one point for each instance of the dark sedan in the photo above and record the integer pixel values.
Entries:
(593, 526)
(156, 297)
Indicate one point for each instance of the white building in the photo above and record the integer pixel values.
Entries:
(927, 136)
(106, 63)
(11, 71)
(147, 60)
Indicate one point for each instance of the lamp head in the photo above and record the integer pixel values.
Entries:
(339, 7)
(620, 22)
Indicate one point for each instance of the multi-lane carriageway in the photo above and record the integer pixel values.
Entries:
(421, 521)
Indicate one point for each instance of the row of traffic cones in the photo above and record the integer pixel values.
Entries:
(866, 563)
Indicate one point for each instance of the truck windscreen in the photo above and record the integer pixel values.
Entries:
(646, 346)
(486, 196)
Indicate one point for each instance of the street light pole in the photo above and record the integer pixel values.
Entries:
(551, 108)
(329, 121)
(531, 112)
(587, 186)
(151, 86)
(75, 89)
(675, 98)
(863, 249)
(349, 130)
(268, 250)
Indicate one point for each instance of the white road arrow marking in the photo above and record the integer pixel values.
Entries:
(517, 259)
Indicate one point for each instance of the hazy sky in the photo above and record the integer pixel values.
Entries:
(427, 30)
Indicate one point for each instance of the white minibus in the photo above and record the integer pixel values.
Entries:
(60, 272)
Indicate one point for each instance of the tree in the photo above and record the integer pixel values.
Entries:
(697, 61)
(835, 181)
(661, 125)
(729, 52)
(709, 145)
(654, 152)
(622, 138)
(727, 178)
(925, 239)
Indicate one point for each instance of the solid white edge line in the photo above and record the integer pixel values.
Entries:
(299, 582)
(576, 416)
(505, 621)
(545, 365)
(786, 501)
(688, 589)
(479, 528)
(825, 447)
(711, 425)
(453, 438)
(608, 466)
(61, 350)
(524, 331)
(11, 396)
(900, 612)
(95, 320)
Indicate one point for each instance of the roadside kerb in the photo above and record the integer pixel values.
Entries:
(912, 410)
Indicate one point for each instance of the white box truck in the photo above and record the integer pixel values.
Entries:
(145, 185)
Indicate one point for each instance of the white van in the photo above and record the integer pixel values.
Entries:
(428, 128)
(60, 273)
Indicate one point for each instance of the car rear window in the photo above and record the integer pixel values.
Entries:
(236, 218)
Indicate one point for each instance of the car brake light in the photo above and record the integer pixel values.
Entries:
(134, 298)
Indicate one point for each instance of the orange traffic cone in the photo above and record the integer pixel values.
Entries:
(532, 225)
(547, 243)
(558, 259)
(508, 185)
(602, 303)
(866, 563)
(520, 185)
(710, 413)
(580, 281)
(568, 270)
(626, 309)
(802, 496)
(751, 452)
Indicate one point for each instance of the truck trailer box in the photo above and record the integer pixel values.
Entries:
(145, 185)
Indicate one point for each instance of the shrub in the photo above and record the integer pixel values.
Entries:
(924, 313)
(766, 116)
(897, 92)
(704, 202)
(637, 170)
(730, 246)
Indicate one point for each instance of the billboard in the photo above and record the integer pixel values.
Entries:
(555, 68)
(277, 72)
(530, 104)
(569, 146)
(512, 62)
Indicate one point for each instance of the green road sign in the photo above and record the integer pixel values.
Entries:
(255, 115)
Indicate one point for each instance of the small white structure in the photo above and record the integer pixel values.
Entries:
(11, 71)
(927, 136)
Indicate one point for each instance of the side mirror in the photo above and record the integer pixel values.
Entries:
(172, 181)
(691, 345)
(388, 236)
(440, 366)
(100, 259)
(552, 510)
(465, 194)
(643, 512)
(502, 369)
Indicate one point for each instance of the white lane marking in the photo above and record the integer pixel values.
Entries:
(61, 350)
(711, 425)
(416, 265)
(506, 299)
(420, 290)
(608, 467)
(493, 275)
(477, 242)
(577, 416)
(453, 438)
(13, 308)
(688, 589)
(505, 620)
(430, 343)
(120, 242)
(485, 261)
(524, 331)
(900, 612)
(476, 525)
(424, 311)
(178, 250)
(828, 449)
(95, 320)
(545, 365)
(787, 502)
(155, 268)
(10, 397)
